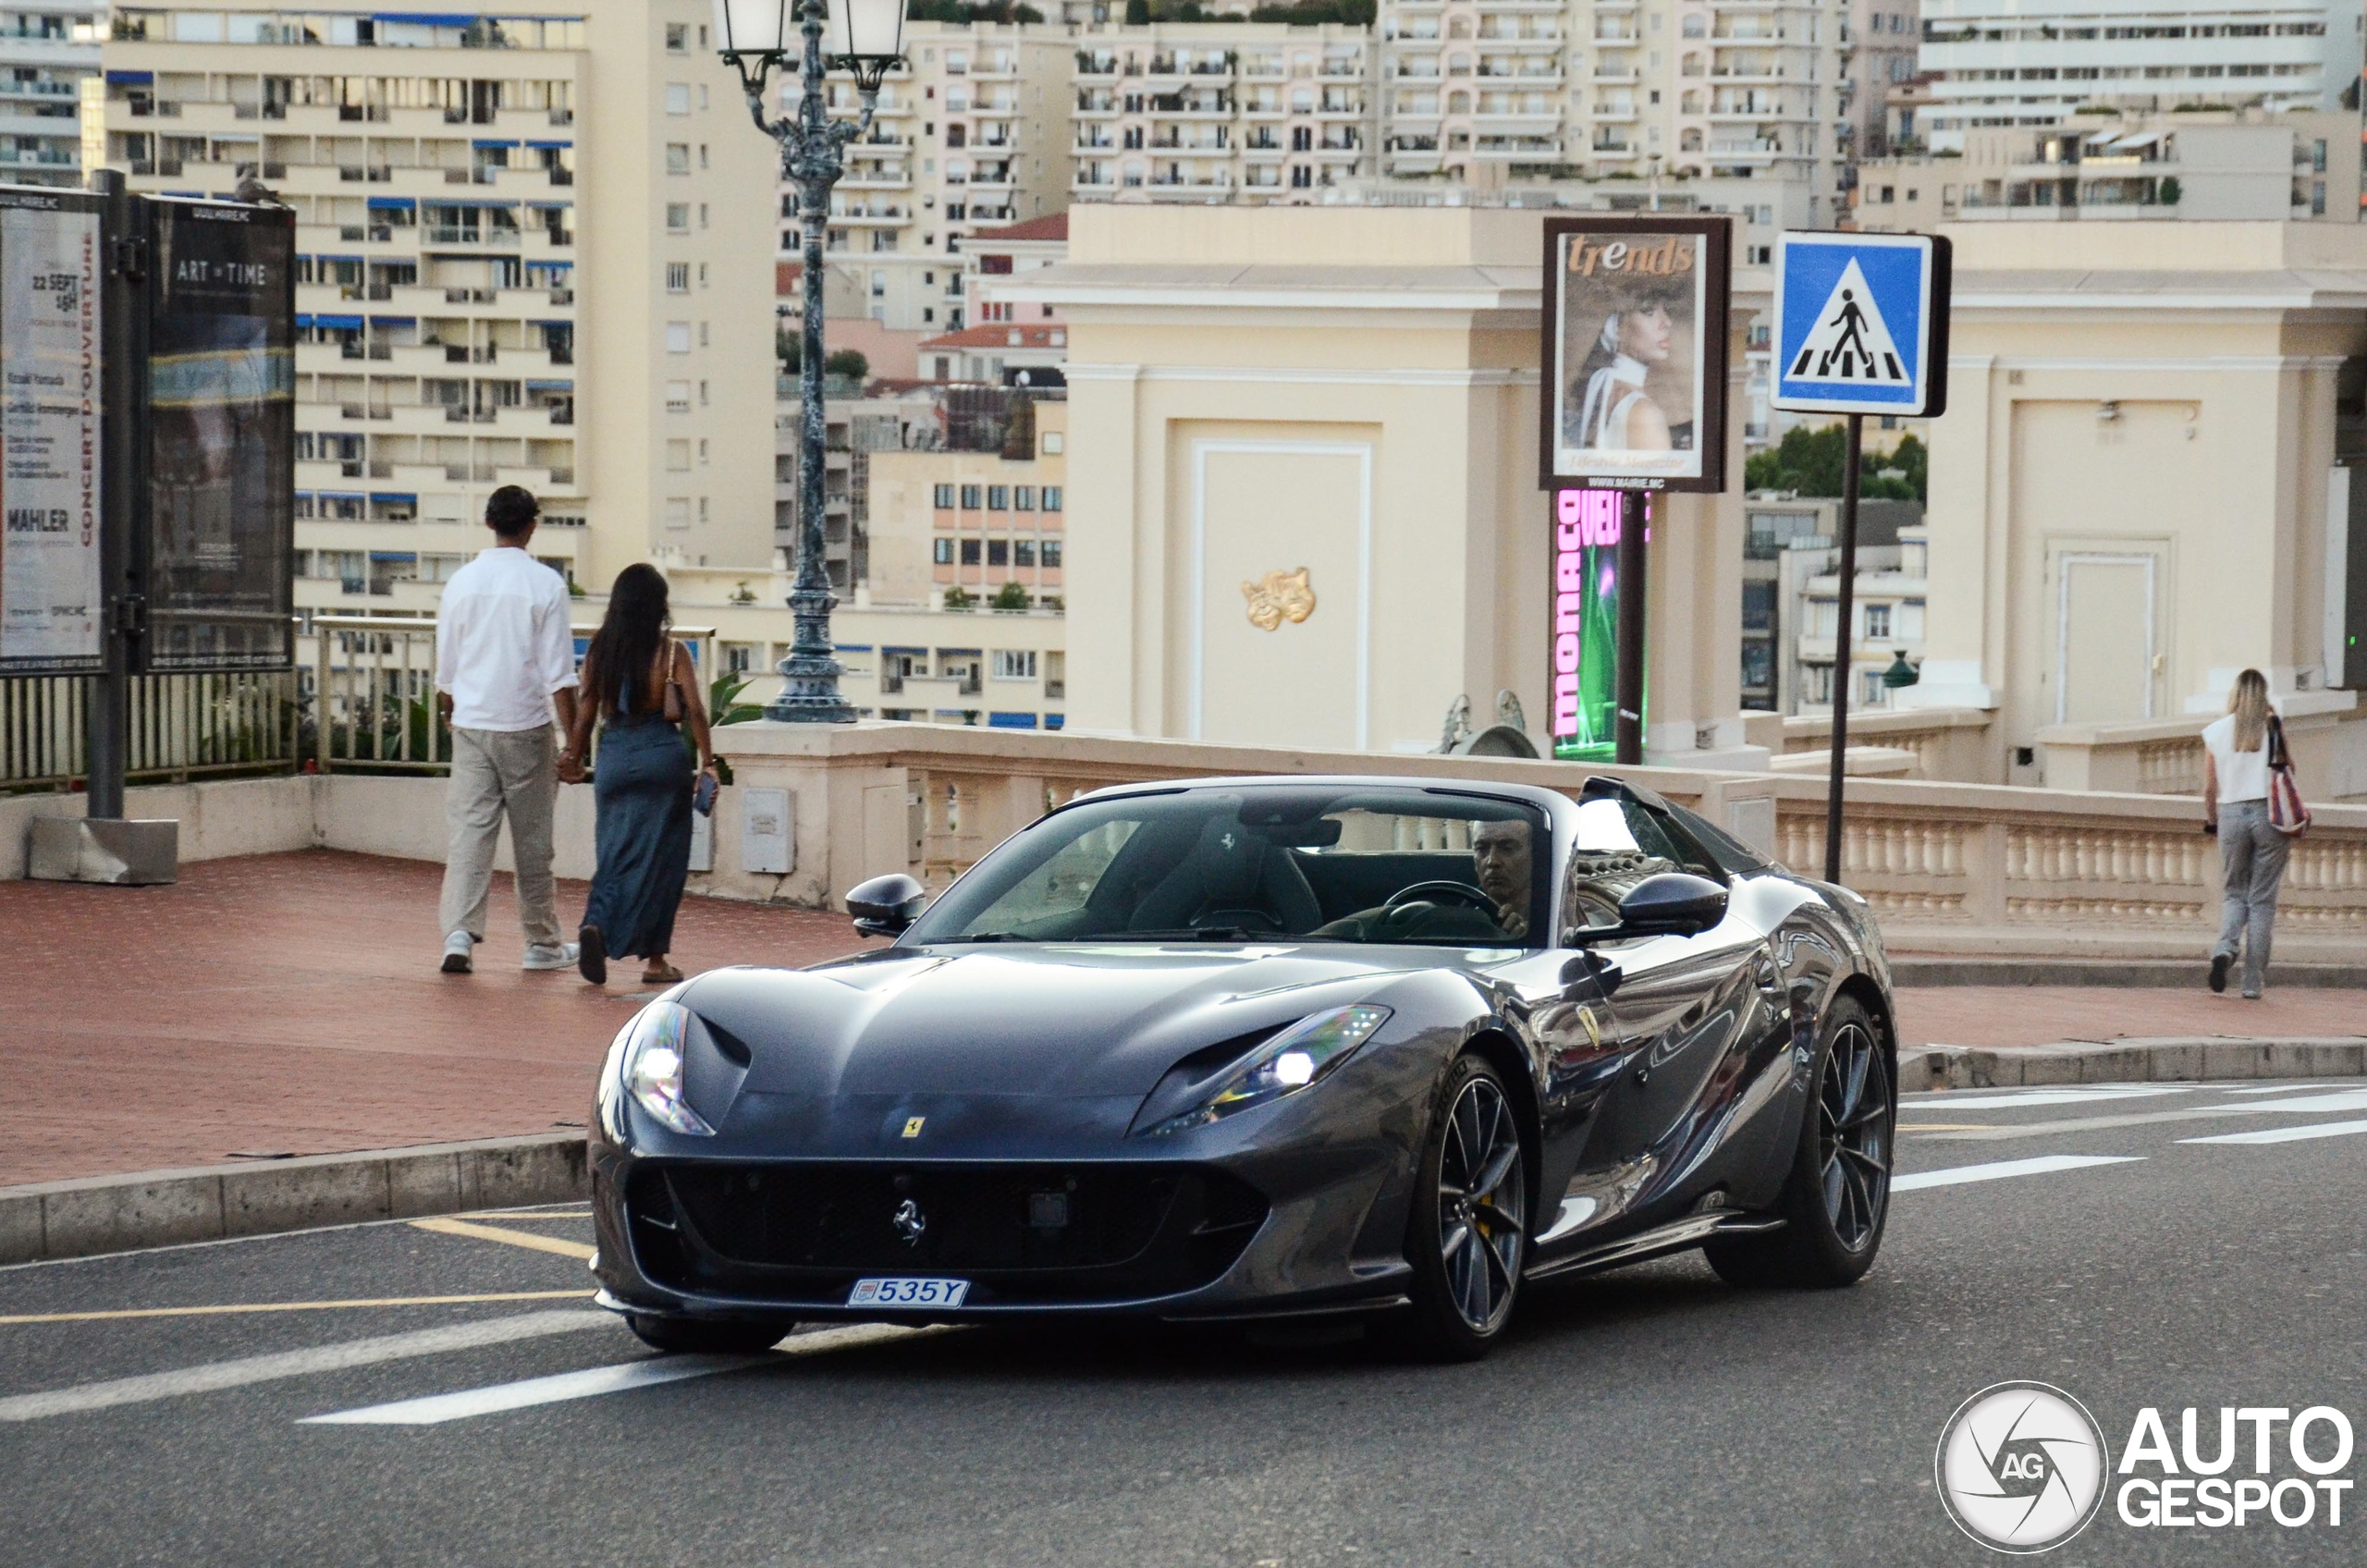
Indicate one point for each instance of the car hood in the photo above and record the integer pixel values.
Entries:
(1065, 1021)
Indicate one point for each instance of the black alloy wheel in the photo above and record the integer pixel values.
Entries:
(1469, 1234)
(1837, 1196)
(693, 1336)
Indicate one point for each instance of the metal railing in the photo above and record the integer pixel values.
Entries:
(182, 726)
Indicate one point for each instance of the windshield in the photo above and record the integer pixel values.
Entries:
(1329, 864)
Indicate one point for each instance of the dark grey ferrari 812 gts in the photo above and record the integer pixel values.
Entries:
(1258, 1048)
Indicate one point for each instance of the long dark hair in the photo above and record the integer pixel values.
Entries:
(625, 648)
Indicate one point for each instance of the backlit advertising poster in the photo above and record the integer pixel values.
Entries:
(1635, 352)
(1585, 623)
(51, 588)
(221, 437)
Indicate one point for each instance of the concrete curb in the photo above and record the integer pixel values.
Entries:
(49, 1220)
(2173, 1060)
(1912, 970)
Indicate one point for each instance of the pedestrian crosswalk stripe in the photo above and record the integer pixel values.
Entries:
(1850, 345)
(2019, 1099)
(2286, 1134)
(435, 1409)
(2338, 1099)
(242, 1308)
(1997, 1169)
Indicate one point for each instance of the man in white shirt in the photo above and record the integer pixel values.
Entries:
(504, 650)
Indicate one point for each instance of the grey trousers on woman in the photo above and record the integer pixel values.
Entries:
(2251, 860)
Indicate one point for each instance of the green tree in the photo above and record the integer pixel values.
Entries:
(847, 362)
(2171, 190)
(1138, 13)
(1010, 596)
(790, 348)
(959, 598)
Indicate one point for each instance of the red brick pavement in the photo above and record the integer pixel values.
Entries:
(290, 1004)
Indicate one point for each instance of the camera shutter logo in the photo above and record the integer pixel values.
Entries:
(2021, 1468)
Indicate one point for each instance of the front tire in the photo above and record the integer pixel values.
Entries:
(1469, 1234)
(692, 1336)
(1836, 1198)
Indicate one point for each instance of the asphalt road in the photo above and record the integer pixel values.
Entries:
(1653, 1415)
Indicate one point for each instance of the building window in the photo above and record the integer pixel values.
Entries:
(945, 497)
(678, 512)
(1877, 622)
(1051, 552)
(969, 552)
(1053, 441)
(1023, 552)
(677, 217)
(678, 457)
(1051, 497)
(678, 157)
(969, 497)
(998, 552)
(678, 98)
(678, 337)
(945, 552)
(1023, 498)
(678, 397)
(998, 498)
(1014, 664)
(677, 277)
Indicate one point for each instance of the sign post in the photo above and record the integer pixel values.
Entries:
(1633, 399)
(1861, 326)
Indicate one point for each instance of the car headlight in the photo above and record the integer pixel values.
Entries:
(1299, 1056)
(647, 1062)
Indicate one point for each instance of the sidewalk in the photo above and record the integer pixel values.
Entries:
(290, 1005)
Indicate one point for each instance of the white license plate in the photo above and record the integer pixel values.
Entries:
(908, 1292)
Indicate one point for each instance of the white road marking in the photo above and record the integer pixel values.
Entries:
(2014, 1099)
(297, 1364)
(2286, 1134)
(2000, 1169)
(435, 1409)
(2341, 1099)
(439, 1408)
(2283, 1088)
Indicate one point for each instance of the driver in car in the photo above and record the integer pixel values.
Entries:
(1500, 854)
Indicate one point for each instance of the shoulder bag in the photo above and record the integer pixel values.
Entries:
(2287, 813)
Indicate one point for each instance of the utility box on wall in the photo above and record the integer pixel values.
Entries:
(2345, 618)
(767, 837)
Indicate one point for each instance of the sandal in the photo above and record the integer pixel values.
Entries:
(665, 974)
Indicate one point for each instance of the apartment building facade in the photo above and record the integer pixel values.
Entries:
(1996, 64)
(985, 516)
(2303, 167)
(971, 134)
(1220, 112)
(1879, 52)
(48, 52)
(489, 290)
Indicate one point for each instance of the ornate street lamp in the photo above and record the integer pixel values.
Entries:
(865, 37)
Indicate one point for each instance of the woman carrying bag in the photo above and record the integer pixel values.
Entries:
(641, 684)
(2250, 802)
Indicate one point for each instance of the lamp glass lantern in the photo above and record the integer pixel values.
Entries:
(865, 36)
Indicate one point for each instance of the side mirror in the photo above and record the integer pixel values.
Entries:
(885, 905)
(1674, 903)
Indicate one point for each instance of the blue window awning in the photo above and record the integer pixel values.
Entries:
(393, 204)
(355, 260)
(493, 142)
(1010, 722)
(850, 647)
(405, 501)
(394, 321)
(338, 324)
(303, 322)
(550, 387)
(550, 206)
(393, 555)
(1054, 720)
(550, 144)
(132, 79)
(343, 495)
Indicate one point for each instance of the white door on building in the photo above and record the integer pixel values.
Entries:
(2104, 635)
(1278, 659)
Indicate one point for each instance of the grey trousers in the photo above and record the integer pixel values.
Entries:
(497, 773)
(2252, 859)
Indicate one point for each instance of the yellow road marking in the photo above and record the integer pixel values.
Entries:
(288, 1307)
(507, 1214)
(1945, 1126)
(515, 1238)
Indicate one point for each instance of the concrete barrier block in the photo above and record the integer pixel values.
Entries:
(20, 1239)
(135, 1211)
(2116, 1064)
(2313, 1058)
(422, 1183)
(300, 1195)
(2175, 1061)
(1985, 1069)
(2051, 1065)
(527, 1171)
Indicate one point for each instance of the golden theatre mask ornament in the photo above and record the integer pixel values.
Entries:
(1279, 596)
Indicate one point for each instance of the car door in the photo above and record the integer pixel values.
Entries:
(1688, 1012)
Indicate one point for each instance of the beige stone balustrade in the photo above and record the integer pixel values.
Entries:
(2164, 756)
(1965, 868)
(1946, 743)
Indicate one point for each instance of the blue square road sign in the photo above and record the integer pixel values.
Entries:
(1861, 324)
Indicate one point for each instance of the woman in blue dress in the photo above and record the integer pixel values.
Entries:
(642, 686)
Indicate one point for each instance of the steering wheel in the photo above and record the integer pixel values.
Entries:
(1461, 892)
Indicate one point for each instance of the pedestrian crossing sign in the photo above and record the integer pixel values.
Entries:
(1861, 324)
